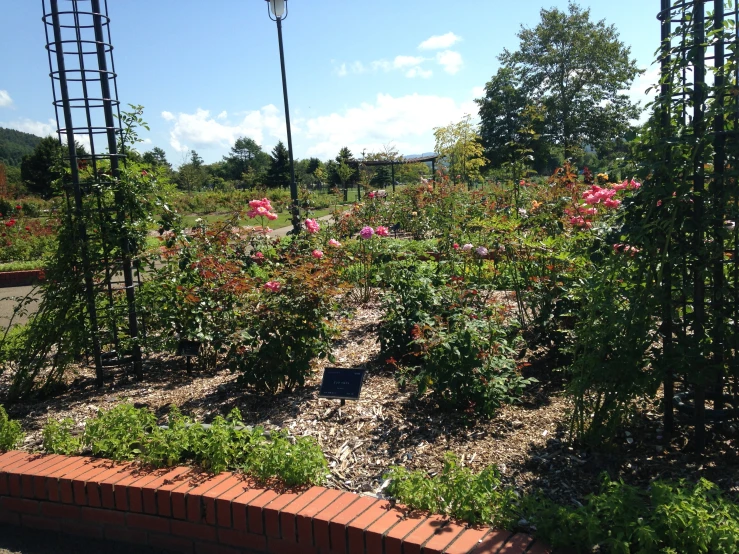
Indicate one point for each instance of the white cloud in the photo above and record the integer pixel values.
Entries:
(437, 42)
(401, 62)
(450, 60)
(406, 121)
(201, 130)
(38, 128)
(419, 72)
(410, 65)
(5, 100)
(478, 92)
(223, 115)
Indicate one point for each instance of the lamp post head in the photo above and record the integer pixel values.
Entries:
(277, 9)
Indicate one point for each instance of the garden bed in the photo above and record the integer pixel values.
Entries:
(389, 426)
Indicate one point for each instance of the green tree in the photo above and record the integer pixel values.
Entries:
(39, 169)
(344, 156)
(156, 158)
(578, 69)
(460, 149)
(246, 162)
(278, 175)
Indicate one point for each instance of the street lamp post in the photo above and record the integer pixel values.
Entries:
(277, 10)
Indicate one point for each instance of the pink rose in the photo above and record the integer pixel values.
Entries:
(273, 286)
(366, 232)
(312, 226)
(317, 254)
(382, 231)
(335, 243)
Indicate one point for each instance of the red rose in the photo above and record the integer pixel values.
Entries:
(19, 207)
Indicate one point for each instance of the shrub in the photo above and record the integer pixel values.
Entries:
(58, 438)
(298, 463)
(167, 446)
(11, 435)
(456, 492)
(120, 433)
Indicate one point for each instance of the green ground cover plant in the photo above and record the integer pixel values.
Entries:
(11, 434)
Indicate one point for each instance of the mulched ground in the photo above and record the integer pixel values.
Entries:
(389, 426)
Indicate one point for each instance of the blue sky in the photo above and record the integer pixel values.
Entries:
(361, 73)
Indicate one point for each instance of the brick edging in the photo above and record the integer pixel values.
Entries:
(183, 510)
(21, 278)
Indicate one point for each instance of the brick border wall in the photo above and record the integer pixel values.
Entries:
(183, 510)
(21, 278)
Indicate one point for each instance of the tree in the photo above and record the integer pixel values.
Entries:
(40, 168)
(278, 175)
(578, 69)
(156, 158)
(344, 156)
(246, 158)
(460, 149)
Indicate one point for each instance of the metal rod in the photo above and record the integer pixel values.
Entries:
(293, 184)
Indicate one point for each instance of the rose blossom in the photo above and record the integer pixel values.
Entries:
(366, 232)
(481, 251)
(335, 243)
(317, 254)
(274, 286)
(382, 231)
(467, 247)
(312, 226)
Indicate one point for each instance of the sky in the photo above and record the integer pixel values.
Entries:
(366, 74)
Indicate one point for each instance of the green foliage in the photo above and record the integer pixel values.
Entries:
(668, 517)
(11, 435)
(58, 437)
(223, 444)
(14, 145)
(296, 463)
(120, 433)
(278, 175)
(167, 446)
(457, 492)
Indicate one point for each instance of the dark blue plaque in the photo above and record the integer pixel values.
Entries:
(345, 384)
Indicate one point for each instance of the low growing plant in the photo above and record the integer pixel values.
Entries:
(58, 437)
(120, 433)
(11, 435)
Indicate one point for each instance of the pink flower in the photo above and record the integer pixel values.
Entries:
(612, 203)
(366, 232)
(259, 256)
(522, 183)
(371, 195)
(335, 243)
(455, 246)
(263, 203)
(634, 184)
(382, 231)
(312, 226)
(621, 186)
(273, 286)
(481, 251)
(272, 216)
(317, 254)
(467, 247)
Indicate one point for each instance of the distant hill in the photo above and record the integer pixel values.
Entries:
(14, 145)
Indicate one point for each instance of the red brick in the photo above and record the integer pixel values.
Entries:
(394, 538)
(108, 517)
(83, 529)
(59, 511)
(149, 523)
(16, 475)
(124, 534)
(79, 484)
(105, 480)
(272, 514)
(255, 513)
(135, 496)
(355, 530)
(240, 506)
(207, 548)
(442, 538)
(20, 505)
(192, 530)
(241, 539)
(233, 482)
(195, 507)
(305, 516)
(42, 483)
(539, 548)
(515, 545)
(149, 492)
(288, 516)
(168, 542)
(164, 492)
(374, 534)
(7, 461)
(120, 488)
(52, 478)
(412, 543)
(12, 472)
(223, 504)
(338, 524)
(467, 541)
(41, 523)
(321, 519)
(178, 495)
(278, 546)
(80, 472)
(10, 518)
(8, 457)
(28, 479)
(493, 542)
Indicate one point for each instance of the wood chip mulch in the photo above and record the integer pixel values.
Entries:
(389, 426)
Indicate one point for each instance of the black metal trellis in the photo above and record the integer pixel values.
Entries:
(87, 109)
(699, 134)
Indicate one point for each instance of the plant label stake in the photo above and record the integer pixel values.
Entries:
(189, 349)
(342, 384)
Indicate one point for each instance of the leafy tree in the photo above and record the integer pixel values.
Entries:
(381, 178)
(460, 148)
(278, 175)
(195, 159)
(246, 162)
(38, 169)
(577, 68)
(156, 158)
(344, 156)
(16, 144)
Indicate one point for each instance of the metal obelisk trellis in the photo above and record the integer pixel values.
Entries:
(87, 112)
(698, 109)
